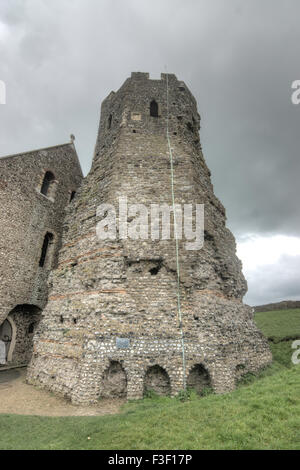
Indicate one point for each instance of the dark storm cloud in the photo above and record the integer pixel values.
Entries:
(59, 59)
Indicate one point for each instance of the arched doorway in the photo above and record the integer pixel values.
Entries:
(198, 378)
(6, 333)
(23, 321)
(157, 381)
(114, 382)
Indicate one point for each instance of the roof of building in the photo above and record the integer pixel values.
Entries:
(37, 150)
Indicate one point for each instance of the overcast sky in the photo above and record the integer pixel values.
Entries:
(61, 58)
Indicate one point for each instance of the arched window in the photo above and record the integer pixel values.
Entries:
(153, 109)
(47, 242)
(48, 184)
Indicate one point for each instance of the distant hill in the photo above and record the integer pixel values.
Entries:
(285, 304)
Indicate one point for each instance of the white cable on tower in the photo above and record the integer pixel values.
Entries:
(176, 242)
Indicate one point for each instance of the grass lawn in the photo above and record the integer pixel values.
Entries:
(280, 324)
(263, 413)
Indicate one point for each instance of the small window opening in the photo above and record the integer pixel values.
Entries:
(153, 109)
(109, 121)
(208, 236)
(61, 319)
(72, 195)
(48, 183)
(155, 270)
(31, 328)
(189, 126)
(47, 241)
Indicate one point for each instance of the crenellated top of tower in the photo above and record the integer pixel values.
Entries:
(145, 105)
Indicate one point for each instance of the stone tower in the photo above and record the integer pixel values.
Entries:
(113, 326)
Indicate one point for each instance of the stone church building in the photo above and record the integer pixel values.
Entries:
(98, 317)
(35, 188)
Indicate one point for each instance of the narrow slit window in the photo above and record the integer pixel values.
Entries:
(48, 240)
(72, 195)
(109, 122)
(153, 109)
(48, 183)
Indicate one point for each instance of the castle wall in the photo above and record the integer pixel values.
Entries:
(104, 291)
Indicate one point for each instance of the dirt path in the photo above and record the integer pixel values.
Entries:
(17, 397)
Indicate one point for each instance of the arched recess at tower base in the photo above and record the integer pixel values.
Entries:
(198, 379)
(114, 382)
(157, 380)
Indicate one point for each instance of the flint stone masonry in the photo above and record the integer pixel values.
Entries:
(26, 217)
(103, 291)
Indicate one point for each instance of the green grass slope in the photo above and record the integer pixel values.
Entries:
(263, 413)
(280, 324)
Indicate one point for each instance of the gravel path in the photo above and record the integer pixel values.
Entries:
(17, 397)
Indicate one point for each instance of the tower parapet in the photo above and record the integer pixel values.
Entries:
(143, 105)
